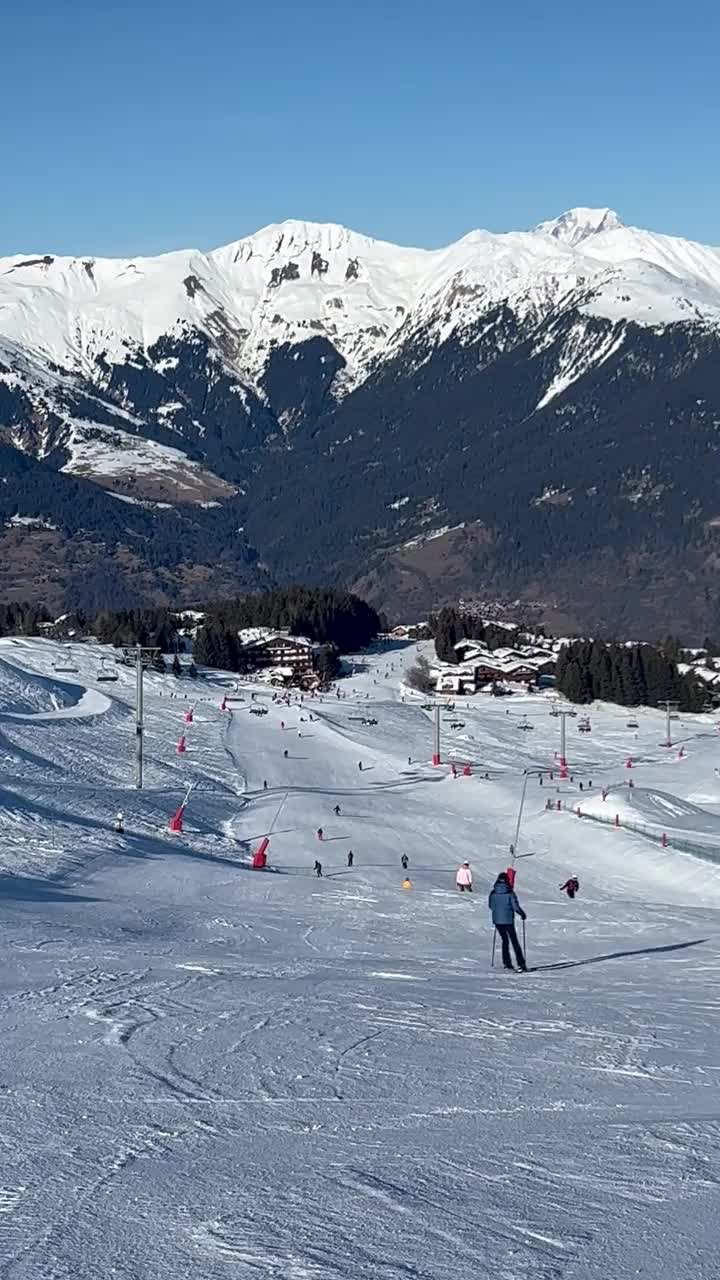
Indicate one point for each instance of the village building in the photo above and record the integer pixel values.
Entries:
(292, 656)
(411, 631)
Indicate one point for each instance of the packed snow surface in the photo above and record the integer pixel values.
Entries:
(215, 1072)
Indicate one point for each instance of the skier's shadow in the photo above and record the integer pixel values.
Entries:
(619, 955)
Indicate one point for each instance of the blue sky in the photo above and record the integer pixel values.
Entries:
(135, 127)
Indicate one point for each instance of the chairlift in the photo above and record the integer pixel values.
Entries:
(633, 724)
(106, 670)
(65, 664)
(584, 725)
(525, 723)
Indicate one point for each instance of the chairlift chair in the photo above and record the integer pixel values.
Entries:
(66, 664)
(106, 670)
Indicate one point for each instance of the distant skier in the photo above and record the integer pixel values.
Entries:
(360, 765)
(119, 824)
(504, 906)
(463, 878)
(319, 833)
(409, 759)
(454, 770)
(317, 868)
(404, 862)
(350, 857)
(264, 784)
(285, 754)
(336, 810)
(570, 887)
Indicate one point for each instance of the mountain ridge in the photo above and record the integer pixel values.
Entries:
(320, 400)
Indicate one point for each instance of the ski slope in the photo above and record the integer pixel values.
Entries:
(212, 1072)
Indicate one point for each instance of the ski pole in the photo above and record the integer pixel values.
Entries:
(524, 942)
(492, 958)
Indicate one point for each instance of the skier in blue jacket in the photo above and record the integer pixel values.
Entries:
(504, 907)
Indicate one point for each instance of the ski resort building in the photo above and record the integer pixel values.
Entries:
(411, 631)
(264, 647)
(480, 667)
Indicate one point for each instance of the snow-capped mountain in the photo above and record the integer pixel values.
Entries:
(297, 279)
(198, 382)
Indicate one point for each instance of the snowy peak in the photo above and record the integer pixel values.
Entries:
(579, 224)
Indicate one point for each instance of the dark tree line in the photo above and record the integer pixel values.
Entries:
(22, 619)
(631, 675)
(323, 614)
(449, 626)
(155, 627)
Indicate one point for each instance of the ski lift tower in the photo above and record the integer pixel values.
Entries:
(562, 714)
(436, 735)
(143, 656)
(671, 713)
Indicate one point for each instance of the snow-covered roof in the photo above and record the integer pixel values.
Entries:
(265, 635)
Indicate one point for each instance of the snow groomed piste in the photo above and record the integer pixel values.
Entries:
(210, 1070)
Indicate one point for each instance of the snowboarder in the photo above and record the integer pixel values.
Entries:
(317, 868)
(570, 887)
(504, 906)
(463, 878)
(350, 857)
(319, 833)
(119, 823)
(336, 810)
(404, 862)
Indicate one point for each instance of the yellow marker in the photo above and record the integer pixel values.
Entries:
(407, 884)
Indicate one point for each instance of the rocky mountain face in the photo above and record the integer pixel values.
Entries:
(534, 413)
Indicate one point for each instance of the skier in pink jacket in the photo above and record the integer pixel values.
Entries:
(463, 878)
